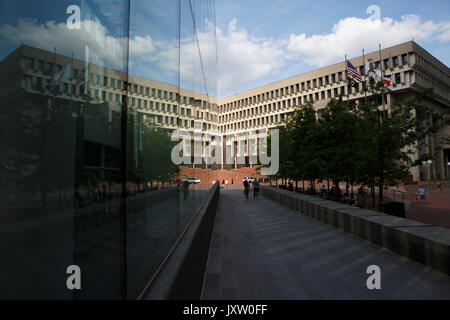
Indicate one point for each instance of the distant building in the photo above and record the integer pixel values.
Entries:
(95, 101)
(411, 69)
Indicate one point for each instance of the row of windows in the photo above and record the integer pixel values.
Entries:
(47, 68)
(307, 85)
(279, 105)
(41, 84)
(283, 92)
(289, 103)
(445, 77)
(254, 123)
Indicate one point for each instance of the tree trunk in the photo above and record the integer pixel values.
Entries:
(380, 193)
(373, 195)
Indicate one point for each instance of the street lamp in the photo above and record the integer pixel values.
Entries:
(427, 164)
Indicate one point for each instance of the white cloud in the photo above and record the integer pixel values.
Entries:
(243, 59)
(52, 35)
(142, 45)
(350, 35)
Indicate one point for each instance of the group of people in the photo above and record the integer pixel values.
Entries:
(225, 182)
(248, 185)
(420, 193)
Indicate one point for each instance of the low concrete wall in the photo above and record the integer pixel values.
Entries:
(421, 242)
(181, 276)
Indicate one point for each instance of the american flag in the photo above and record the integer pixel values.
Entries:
(353, 72)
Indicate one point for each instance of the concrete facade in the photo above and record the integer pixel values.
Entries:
(411, 69)
(168, 106)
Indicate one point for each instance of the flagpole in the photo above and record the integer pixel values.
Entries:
(365, 78)
(71, 83)
(346, 79)
(382, 78)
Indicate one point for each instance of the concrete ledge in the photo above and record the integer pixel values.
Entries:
(181, 275)
(418, 241)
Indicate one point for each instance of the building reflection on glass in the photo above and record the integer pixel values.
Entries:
(86, 176)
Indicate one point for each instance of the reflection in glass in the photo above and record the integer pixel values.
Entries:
(86, 176)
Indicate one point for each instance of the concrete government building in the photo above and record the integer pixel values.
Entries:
(410, 66)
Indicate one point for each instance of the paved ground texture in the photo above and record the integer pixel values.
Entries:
(261, 250)
(435, 209)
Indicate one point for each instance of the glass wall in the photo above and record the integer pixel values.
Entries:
(91, 90)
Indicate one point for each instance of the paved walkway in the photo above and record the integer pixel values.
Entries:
(261, 250)
(434, 210)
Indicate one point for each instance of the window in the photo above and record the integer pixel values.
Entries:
(398, 78)
(30, 63)
(105, 81)
(49, 67)
(404, 59)
(395, 61)
(386, 64)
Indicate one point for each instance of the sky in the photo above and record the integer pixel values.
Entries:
(265, 41)
(257, 41)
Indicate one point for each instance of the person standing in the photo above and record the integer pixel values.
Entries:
(439, 185)
(185, 188)
(246, 189)
(422, 193)
(256, 189)
(226, 183)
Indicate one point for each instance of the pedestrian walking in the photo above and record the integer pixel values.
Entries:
(439, 185)
(226, 183)
(256, 188)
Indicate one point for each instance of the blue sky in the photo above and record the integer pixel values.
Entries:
(258, 41)
(277, 20)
